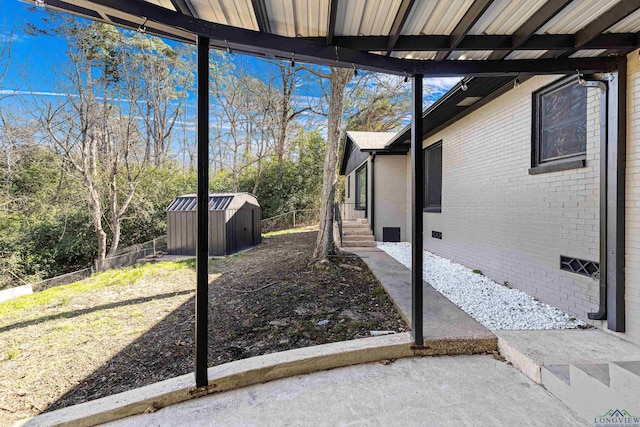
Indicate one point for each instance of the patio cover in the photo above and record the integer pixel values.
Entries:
(431, 37)
(414, 38)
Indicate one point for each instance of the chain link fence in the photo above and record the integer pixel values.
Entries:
(294, 219)
(129, 255)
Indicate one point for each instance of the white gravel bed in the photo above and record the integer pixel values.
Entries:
(495, 306)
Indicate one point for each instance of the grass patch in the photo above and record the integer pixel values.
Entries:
(10, 353)
(291, 231)
(61, 295)
(377, 291)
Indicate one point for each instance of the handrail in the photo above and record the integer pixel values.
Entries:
(337, 217)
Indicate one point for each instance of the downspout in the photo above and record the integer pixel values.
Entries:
(612, 202)
(373, 195)
(601, 314)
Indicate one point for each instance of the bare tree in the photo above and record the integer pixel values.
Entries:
(96, 139)
(339, 78)
(161, 76)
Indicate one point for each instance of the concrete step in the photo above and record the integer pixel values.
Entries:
(591, 389)
(590, 371)
(625, 375)
(560, 372)
(357, 244)
(355, 231)
(359, 237)
(587, 374)
(355, 225)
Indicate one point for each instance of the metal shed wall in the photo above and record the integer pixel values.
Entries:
(230, 230)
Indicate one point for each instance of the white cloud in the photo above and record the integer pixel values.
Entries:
(27, 92)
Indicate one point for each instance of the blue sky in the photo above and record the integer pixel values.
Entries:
(35, 59)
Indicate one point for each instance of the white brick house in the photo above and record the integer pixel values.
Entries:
(500, 202)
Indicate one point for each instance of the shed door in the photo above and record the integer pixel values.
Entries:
(244, 229)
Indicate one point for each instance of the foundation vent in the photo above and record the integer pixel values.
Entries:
(579, 266)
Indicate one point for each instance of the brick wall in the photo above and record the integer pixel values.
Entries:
(632, 261)
(511, 225)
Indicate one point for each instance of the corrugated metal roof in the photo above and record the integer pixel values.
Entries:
(587, 53)
(576, 15)
(164, 3)
(470, 54)
(370, 140)
(505, 16)
(526, 54)
(630, 24)
(365, 18)
(416, 54)
(237, 13)
(188, 203)
(437, 17)
(425, 24)
(298, 18)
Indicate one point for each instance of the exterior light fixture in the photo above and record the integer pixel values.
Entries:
(142, 28)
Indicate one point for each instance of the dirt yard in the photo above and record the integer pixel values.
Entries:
(134, 326)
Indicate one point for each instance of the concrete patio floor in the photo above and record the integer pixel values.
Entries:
(428, 391)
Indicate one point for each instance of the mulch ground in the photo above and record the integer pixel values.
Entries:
(266, 300)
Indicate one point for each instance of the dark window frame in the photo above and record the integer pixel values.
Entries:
(437, 208)
(358, 206)
(566, 162)
(349, 187)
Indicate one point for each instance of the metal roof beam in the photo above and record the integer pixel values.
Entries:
(611, 17)
(503, 43)
(533, 24)
(331, 21)
(258, 43)
(462, 28)
(600, 24)
(398, 23)
(260, 10)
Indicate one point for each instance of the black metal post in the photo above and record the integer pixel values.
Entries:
(202, 230)
(417, 172)
(601, 314)
(373, 194)
(617, 158)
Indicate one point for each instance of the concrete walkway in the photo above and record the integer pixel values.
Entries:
(447, 328)
(441, 391)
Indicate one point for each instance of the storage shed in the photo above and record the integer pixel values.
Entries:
(234, 224)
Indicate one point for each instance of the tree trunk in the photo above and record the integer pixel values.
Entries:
(340, 77)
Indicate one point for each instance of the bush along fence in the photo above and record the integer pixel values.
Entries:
(292, 219)
(123, 258)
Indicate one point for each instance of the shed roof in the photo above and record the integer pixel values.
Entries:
(431, 37)
(217, 202)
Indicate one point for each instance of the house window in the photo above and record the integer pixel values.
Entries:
(433, 177)
(361, 187)
(559, 126)
(348, 186)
